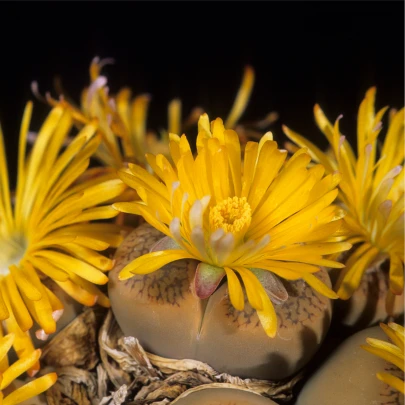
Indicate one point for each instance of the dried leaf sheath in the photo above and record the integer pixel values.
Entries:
(126, 372)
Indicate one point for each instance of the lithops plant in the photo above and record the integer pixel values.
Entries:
(348, 376)
(372, 193)
(229, 269)
(224, 394)
(169, 319)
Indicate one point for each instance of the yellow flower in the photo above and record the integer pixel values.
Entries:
(254, 219)
(122, 120)
(9, 373)
(47, 231)
(371, 190)
(391, 352)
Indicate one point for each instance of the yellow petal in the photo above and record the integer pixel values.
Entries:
(316, 154)
(397, 338)
(396, 274)
(384, 354)
(399, 331)
(392, 381)
(242, 98)
(31, 389)
(48, 269)
(21, 160)
(252, 285)
(319, 286)
(77, 266)
(234, 289)
(19, 367)
(24, 284)
(391, 352)
(249, 165)
(174, 116)
(88, 255)
(41, 310)
(4, 313)
(5, 344)
(139, 209)
(232, 144)
(22, 345)
(351, 277)
(90, 214)
(267, 315)
(16, 304)
(101, 298)
(77, 293)
(151, 262)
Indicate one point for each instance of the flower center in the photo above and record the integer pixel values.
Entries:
(232, 215)
(12, 250)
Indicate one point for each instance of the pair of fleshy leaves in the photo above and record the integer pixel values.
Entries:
(208, 277)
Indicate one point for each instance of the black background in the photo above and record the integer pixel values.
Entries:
(302, 52)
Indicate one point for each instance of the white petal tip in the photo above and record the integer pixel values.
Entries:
(56, 315)
(32, 373)
(41, 335)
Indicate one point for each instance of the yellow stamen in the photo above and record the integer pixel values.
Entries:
(232, 215)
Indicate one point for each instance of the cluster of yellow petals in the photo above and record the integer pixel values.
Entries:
(48, 229)
(122, 120)
(371, 192)
(8, 373)
(393, 353)
(262, 212)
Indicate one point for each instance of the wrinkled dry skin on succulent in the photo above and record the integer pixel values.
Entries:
(123, 373)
